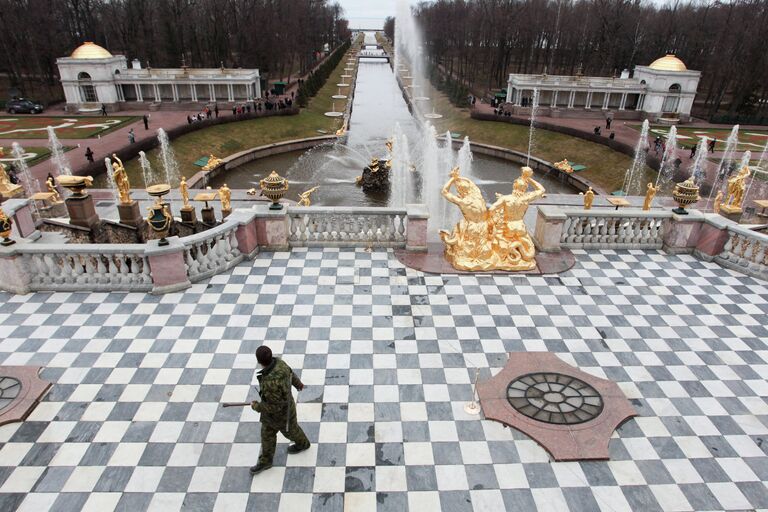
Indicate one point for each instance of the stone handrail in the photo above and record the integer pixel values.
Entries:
(630, 229)
(89, 267)
(211, 252)
(346, 227)
(746, 251)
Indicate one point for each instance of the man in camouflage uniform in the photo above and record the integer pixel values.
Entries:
(277, 408)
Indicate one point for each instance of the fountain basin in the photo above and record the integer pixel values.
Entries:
(333, 114)
(339, 97)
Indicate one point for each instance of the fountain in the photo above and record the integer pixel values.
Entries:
(668, 160)
(111, 178)
(31, 185)
(759, 169)
(59, 159)
(333, 112)
(168, 159)
(146, 169)
(725, 162)
(634, 173)
(532, 128)
(697, 166)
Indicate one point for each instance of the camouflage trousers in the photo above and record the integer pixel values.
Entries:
(269, 438)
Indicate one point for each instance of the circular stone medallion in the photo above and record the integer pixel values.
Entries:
(9, 390)
(554, 398)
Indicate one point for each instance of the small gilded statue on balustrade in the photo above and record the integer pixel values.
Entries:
(735, 193)
(492, 238)
(121, 180)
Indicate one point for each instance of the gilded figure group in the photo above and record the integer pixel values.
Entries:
(495, 237)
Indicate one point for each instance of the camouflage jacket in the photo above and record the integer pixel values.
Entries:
(276, 405)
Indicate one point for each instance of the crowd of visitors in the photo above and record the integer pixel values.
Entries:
(257, 106)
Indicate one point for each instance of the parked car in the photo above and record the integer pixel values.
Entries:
(23, 106)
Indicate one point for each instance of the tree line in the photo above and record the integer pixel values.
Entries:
(481, 41)
(280, 37)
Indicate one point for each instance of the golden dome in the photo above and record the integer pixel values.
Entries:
(89, 50)
(668, 63)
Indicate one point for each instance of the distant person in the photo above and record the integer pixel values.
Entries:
(89, 154)
(693, 151)
(607, 123)
(712, 144)
(612, 136)
(216, 110)
(189, 119)
(597, 130)
(146, 121)
(234, 110)
(103, 109)
(131, 136)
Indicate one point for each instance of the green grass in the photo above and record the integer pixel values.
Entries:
(41, 154)
(36, 126)
(227, 139)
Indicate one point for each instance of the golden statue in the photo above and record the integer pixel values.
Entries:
(225, 196)
(718, 202)
(589, 197)
(649, 195)
(495, 238)
(121, 180)
(735, 194)
(564, 165)
(304, 197)
(184, 189)
(213, 162)
(374, 165)
(56, 197)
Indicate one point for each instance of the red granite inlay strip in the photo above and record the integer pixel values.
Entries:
(33, 388)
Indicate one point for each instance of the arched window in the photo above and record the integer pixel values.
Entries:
(117, 71)
(87, 90)
(642, 82)
(672, 100)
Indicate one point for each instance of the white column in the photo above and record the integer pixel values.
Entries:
(554, 99)
(156, 88)
(231, 92)
(606, 99)
(139, 97)
(175, 90)
(193, 92)
(640, 102)
(212, 91)
(571, 99)
(588, 103)
(248, 92)
(623, 103)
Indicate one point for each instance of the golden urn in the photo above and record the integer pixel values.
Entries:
(6, 226)
(76, 184)
(159, 219)
(685, 194)
(274, 187)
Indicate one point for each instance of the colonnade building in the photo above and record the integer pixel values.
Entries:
(92, 77)
(664, 90)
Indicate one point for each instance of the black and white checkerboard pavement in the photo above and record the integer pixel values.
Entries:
(133, 421)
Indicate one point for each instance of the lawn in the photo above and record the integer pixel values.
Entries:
(32, 154)
(74, 127)
(687, 136)
(227, 139)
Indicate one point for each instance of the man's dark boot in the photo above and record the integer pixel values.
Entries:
(294, 448)
(258, 468)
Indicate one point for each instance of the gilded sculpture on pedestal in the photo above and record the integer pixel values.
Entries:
(225, 196)
(735, 194)
(589, 197)
(56, 197)
(184, 190)
(492, 238)
(121, 180)
(718, 202)
(649, 195)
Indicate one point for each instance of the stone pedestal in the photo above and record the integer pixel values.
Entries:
(208, 215)
(247, 237)
(549, 228)
(272, 228)
(682, 232)
(130, 214)
(416, 228)
(20, 210)
(82, 211)
(188, 215)
(167, 266)
(713, 236)
(14, 273)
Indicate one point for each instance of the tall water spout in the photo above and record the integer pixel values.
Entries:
(58, 157)
(168, 159)
(697, 166)
(464, 160)
(31, 185)
(532, 128)
(725, 162)
(146, 169)
(634, 173)
(667, 166)
(111, 179)
(446, 153)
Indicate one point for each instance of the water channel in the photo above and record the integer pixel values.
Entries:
(379, 112)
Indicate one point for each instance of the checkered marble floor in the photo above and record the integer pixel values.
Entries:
(133, 421)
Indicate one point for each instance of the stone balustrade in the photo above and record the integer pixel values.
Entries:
(27, 266)
(745, 251)
(607, 229)
(346, 227)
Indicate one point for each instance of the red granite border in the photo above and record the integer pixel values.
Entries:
(33, 388)
(433, 262)
(583, 441)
